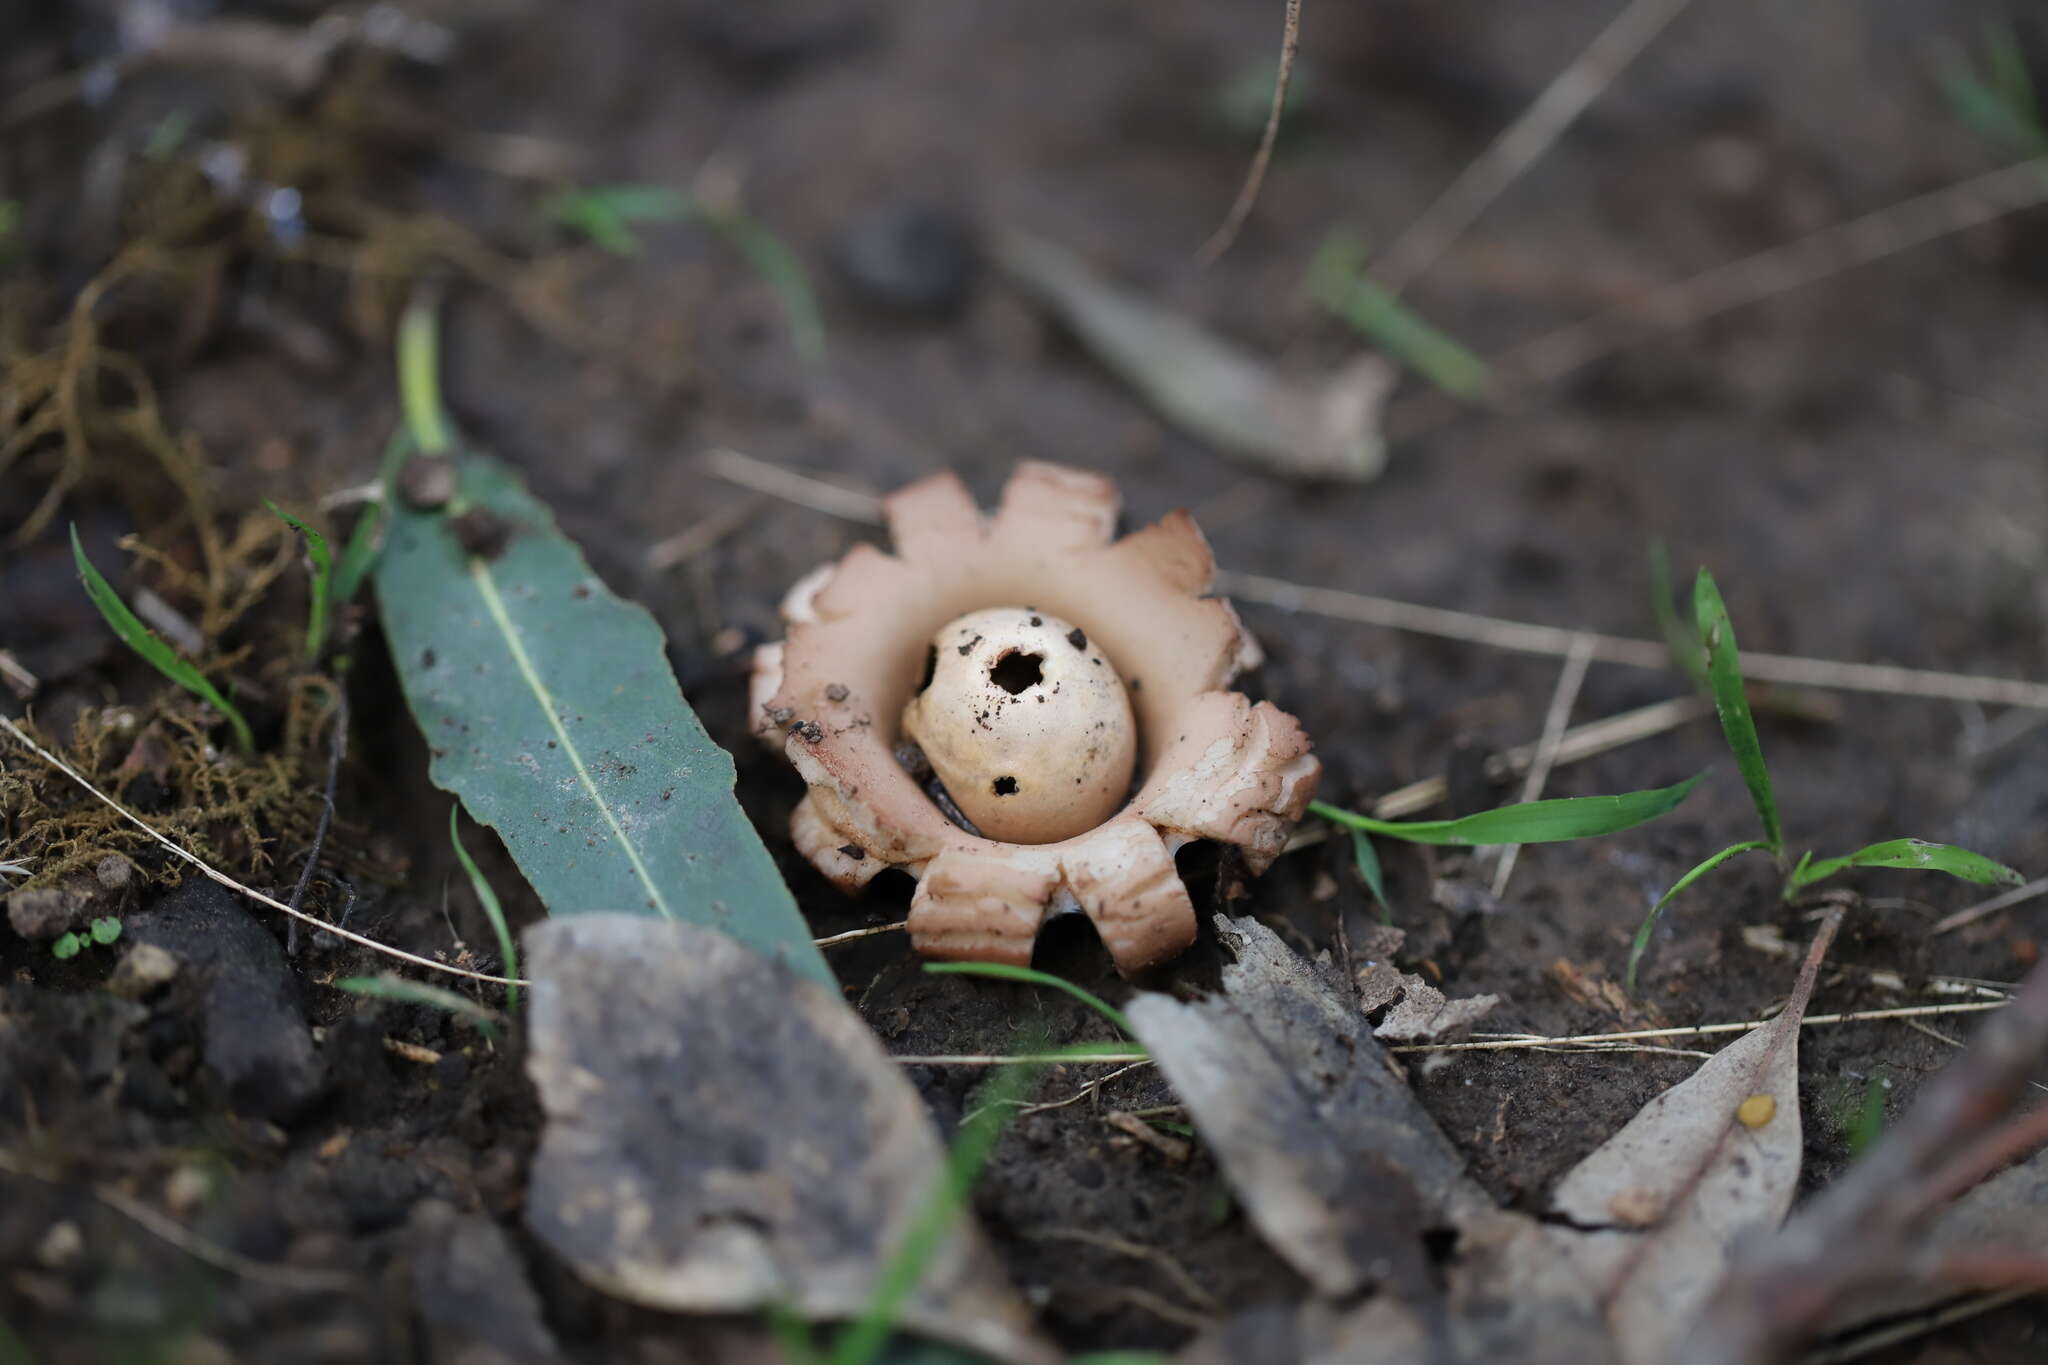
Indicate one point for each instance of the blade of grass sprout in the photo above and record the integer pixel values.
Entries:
(1531, 822)
(1368, 860)
(1003, 971)
(1731, 704)
(1916, 855)
(605, 213)
(999, 1098)
(779, 267)
(419, 377)
(1642, 939)
(405, 991)
(365, 542)
(153, 650)
(2002, 108)
(1682, 640)
(1869, 1124)
(323, 581)
(1337, 282)
(493, 911)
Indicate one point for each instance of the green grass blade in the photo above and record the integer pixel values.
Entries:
(1914, 855)
(779, 267)
(419, 378)
(1368, 860)
(366, 541)
(1003, 971)
(323, 581)
(1731, 704)
(1681, 640)
(153, 650)
(405, 991)
(863, 1341)
(487, 897)
(1337, 283)
(1531, 822)
(605, 213)
(1642, 939)
(1868, 1125)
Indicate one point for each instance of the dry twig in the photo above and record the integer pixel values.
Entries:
(1248, 193)
(1523, 141)
(1569, 681)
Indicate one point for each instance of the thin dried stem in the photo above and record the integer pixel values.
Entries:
(2004, 901)
(176, 1234)
(1596, 1041)
(1248, 193)
(1522, 143)
(848, 504)
(851, 934)
(207, 870)
(1570, 680)
(1556, 641)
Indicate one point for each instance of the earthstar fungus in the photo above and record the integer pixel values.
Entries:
(1040, 664)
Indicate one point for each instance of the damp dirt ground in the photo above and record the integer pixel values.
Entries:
(1860, 461)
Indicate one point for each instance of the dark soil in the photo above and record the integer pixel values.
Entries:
(1859, 461)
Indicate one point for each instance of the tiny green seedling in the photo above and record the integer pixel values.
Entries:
(1337, 282)
(606, 215)
(322, 563)
(1003, 971)
(153, 650)
(99, 934)
(1722, 665)
(1530, 822)
(405, 991)
(488, 899)
(1999, 102)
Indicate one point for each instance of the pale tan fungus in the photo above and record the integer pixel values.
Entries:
(1209, 762)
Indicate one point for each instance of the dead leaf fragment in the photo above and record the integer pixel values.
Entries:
(1426, 1014)
(1659, 1206)
(1336, 1163)
(723, 1134)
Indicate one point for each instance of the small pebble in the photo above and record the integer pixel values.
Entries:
(908, 258)
(141, 970)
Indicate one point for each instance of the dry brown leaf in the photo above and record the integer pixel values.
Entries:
(723, 1134)
(1660, 1205)
(1336, 1163)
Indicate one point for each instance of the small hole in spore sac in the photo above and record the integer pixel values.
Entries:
(1006, 786)
(1017, 670)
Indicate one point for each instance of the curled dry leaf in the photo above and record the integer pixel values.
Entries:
(865, 637)
(1322, 1141)
(723, 1134)
(1327, 428)
(1658, 1208)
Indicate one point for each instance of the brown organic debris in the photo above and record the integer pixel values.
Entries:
(864, 631)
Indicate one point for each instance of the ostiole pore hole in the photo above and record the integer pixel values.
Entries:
(1006, 786)
(1016, 671)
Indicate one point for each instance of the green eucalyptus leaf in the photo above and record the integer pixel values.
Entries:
(1531, 822)
(550, 709)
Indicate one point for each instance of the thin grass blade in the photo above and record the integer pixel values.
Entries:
(1915, 855)
(323, 581)
(1531, 822)
(153, 650)
(366, 541)
(1642, 939)
(1731, 704)
(487, 897)
(1368, 859)
(405, 991)
(1337, 283)
(1682, 640)
(778, 266)
(1003, 971)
